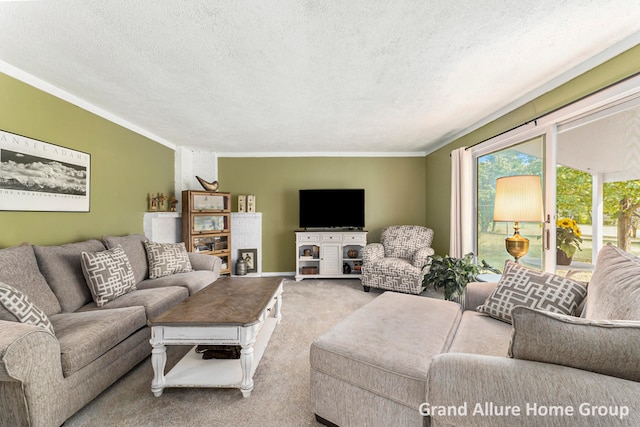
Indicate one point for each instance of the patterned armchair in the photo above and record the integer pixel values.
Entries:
(399, 261)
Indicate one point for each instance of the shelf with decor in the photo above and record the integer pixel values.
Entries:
(206, 224)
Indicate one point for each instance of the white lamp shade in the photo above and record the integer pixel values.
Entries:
(518, 198)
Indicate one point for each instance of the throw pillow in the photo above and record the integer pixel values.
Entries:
(614, 289)
(108, 274)
(603, 346)
(25, 311)
(167, 258)
(532, 288)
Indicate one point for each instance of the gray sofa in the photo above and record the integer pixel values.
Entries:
(407, 360)
(45, 378)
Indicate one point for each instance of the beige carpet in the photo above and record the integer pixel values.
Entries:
(281, 384)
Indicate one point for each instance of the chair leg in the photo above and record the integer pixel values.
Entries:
(366, 288)
(325, 422)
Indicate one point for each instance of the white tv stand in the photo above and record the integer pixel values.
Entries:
(326, 253)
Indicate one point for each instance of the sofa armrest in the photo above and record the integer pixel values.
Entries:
(30, 375)
(421, 257)
(536, 394)
(372, 252)
(477, 293)
(22, 347)
(205, 262)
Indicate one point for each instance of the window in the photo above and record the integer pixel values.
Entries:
(588, 154)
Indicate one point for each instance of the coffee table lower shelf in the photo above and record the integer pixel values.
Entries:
(194, 371)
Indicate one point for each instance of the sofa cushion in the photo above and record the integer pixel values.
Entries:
(19, 268)
(614, 289)
(18, 305)
(391, 361)
(62, 268)
(133, 246)
(480, 334)
(193, 280)
(609, 347)
(154, 301)
(108, 274)
(166, 259)
(85, 336)
(532, 288)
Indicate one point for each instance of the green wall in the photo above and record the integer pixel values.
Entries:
(438, 163)
(125, 167)
(394, 194)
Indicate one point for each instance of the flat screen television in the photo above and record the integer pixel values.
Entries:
(332, 208)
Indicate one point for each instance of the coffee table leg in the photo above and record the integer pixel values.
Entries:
(246, 361)
(158, 361)
(278, 313)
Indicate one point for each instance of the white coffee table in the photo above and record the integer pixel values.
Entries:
(231, 311)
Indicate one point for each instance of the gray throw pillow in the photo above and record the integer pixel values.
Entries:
(24, 311)
(532, 288)
(614, 289)
(609, 347)
(108, 274)
(167, 258)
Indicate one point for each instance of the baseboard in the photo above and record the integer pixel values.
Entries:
(274, 273)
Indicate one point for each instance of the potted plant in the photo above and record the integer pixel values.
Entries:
(453, 274)
(568, 239)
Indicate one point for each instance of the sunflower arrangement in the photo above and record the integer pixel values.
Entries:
(568, 236)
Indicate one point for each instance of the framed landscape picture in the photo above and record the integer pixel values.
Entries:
(39, 176)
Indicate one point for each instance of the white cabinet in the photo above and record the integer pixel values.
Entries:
(329, 254)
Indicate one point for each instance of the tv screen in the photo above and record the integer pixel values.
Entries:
(332, 208)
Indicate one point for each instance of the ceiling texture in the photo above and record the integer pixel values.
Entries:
(302, 77)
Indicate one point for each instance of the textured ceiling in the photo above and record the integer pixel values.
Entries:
(294, 76)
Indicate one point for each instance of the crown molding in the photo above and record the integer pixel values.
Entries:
(34, 81)
(323, 154)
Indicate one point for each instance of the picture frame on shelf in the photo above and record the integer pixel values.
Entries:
(251, 257)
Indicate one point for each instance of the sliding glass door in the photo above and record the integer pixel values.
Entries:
(598, 184)
(525, 158)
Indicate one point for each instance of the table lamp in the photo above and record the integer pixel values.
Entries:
(518, 199)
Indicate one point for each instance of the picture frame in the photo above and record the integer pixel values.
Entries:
(251, 256)
(40, 176)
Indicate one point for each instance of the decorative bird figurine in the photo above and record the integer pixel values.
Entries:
(209, 186)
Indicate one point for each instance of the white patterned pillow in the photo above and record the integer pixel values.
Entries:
(167, 258)
(108, 274)
(522, 286)
(18, 304)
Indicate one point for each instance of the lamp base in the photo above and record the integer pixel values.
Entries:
(517, 246)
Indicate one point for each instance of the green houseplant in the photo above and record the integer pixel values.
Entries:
(453, 274)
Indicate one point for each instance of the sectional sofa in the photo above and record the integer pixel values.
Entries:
(516, 356)
(68, 326)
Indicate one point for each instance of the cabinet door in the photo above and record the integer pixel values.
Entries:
(209, 223)
(330, 259)
(210, 202)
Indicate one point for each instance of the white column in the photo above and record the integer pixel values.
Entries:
(246, 233)
(187, 165)
(597, 215)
